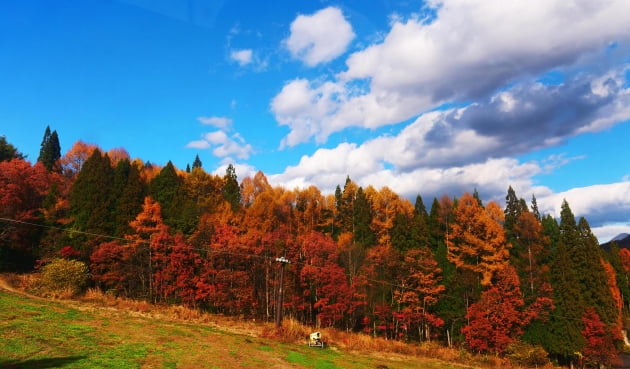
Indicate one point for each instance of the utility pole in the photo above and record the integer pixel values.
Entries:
(283, 261)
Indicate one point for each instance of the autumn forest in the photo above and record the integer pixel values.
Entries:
(487, 277)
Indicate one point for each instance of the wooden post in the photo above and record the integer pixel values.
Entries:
(283, 261)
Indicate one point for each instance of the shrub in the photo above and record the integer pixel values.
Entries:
(64, 276)
(526, 354)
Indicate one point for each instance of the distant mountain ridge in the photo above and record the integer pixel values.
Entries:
(622, 240)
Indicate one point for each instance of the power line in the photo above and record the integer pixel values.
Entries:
(232, 253)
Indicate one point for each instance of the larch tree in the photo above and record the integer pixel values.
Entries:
(386, 204)
(147, 225)
(477, 241)
(419, 291)
(310, 207)
(73, 160)
(532, 256)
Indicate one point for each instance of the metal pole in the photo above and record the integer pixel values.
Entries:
(283, 261)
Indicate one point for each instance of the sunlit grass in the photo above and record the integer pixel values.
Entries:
(103, 331)
(44, 333)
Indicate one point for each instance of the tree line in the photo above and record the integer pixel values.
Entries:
(481, 276)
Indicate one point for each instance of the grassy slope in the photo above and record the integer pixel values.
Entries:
(37, 333)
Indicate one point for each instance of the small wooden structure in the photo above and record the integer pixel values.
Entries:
(315, 340)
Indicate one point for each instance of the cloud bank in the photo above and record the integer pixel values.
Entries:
(480, 84)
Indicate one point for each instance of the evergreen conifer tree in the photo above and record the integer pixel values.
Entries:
(420, 209)
(362, 219)
(231, 189)
(535, 207)
(131, 195)
(197, 162)
(163, 189)
(8, 151)
(90, 199)
(565, 338)
(593, 278)
(50, 151)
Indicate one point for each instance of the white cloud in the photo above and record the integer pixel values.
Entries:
(218, 122)
(242, 57)
(607, 232)
(605, 206)
(596, 202)
(469, 51)
(223, 144)
(320, 37)
(216, 137)
(199, 144)
(241, 170)
(384, 162)
(304, 109)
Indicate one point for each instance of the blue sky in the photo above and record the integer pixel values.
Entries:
(426, 98)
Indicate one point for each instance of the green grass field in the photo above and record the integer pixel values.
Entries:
(38, 333)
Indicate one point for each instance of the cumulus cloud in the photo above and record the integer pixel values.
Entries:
(223, 143)
(304, 109)
(605, 206)
(320, 37)
(242, 57)
(610, 202)
(377, 163)
(224, 146)
(469, 51)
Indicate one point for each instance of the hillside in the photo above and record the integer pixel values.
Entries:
(39, 333)
(622, 240)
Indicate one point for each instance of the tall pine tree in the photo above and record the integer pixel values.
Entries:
(197, 162)
(164, 189)
(231, 189)
(91, 200)
(50, 151)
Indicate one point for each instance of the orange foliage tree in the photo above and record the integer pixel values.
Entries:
(420, 289)
(497, 319)
(23, 189)
(73, 160)
(477, 240)
(600, 348)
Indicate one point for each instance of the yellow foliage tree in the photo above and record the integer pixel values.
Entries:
(477, 240)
